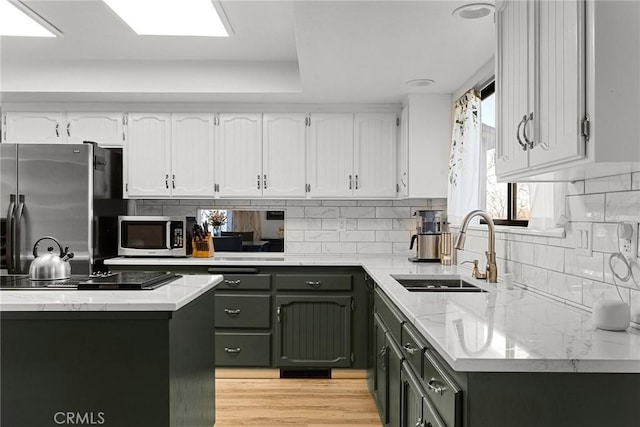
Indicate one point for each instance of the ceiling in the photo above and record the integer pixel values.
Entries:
(299, 51)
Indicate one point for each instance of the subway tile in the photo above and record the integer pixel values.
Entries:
(197, 202)
(593, 291)
(535, 277)
(375, 248)
(179, 210)
(321, 236)
(358, 212)
(374, 224)
(226, 203)
(294, 212)
(586, 267)
(565, 287)
(522, 252)
(623, 206)
(404, 202)
(402, 248)
(574, 188)
(635, 181)
(375, 203)
(268, 202)
(300, 202)
(635, 306)
(163, 202)
(303, 224)
(339, 248)
(148, 210)
(339, 203)
(549, 257)
(608, 184)
(605, 237)
(294, 235)
(358, 236)
(393, 212)
(294, 248)
(586, 208)
(393, 236)
(404, 224)
(321, 212)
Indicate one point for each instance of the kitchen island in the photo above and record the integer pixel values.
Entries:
(112, 358)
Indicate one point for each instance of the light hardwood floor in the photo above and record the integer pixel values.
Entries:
(294, 402)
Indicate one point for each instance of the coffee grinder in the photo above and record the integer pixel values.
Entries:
(430, 225)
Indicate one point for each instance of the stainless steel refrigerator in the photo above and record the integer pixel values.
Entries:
(72, 192)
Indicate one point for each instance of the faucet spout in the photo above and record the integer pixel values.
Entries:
(492, 269)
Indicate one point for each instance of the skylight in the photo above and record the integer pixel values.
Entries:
(170, 17)
(18, 20)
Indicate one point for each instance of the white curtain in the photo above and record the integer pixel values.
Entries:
(547, 202)
(464, 160)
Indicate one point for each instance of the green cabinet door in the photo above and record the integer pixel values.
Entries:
(394, 360)
(313, 331)
(381, 362)
(416, 408)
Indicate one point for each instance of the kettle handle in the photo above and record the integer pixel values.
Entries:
(413, 239)
(35, 246)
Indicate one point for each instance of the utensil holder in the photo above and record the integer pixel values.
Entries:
(202, 248)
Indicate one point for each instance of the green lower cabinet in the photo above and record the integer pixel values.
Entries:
(381, 364)
(416, 408)
(313, 331)
(395, 361)
(238, 349)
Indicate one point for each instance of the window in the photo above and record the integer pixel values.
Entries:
(507, 203)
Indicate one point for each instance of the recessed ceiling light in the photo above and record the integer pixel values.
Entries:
(473, 11)
(419, 82)
(171, 17)
(16, 19)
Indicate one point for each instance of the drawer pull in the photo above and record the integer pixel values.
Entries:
(410, 349)
(233, 283)
(433, 385)
(314, 284)
(232, 312)
(232, 350)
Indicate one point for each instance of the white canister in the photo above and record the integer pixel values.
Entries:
(611, 315)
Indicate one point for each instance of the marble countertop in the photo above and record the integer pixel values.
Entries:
(169, 297)
(501, 330)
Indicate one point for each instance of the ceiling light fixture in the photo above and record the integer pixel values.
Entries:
(173, 17)
(474, 11)
(16, 19)
(419, 82)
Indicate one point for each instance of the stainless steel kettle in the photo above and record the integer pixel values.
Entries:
(50, 266)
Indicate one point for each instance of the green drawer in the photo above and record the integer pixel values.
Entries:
(243, 311)
(243, 349)
(391, 317)
(313, 282)
(413, 346)
(249, 282)
(443, 392)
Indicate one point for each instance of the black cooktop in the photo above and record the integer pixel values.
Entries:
(126, 280)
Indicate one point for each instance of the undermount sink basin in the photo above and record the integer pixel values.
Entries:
(437, 285)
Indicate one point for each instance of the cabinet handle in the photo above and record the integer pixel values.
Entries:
(233, 283)
(69, 129)
(419, 423)
(522, 144)
(350, 182)
(258, 181)
(58, 130)
(232, 350)
(312, 283)
(265, 181)
(356, 182)
(382, 356)
(166, 181)
(230, 312)
(278, 314)
(433, 386)
(402, 180)
(173, 181)
(409, 349)
(524, 131)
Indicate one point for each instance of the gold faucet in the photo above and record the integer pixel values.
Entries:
(492, 268)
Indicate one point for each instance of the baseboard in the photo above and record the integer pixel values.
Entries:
(275, 373)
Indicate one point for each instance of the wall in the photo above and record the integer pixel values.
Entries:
(550, 265)
(311, 226)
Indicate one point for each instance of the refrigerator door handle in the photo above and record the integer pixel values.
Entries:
(10, 230)
(18, 237)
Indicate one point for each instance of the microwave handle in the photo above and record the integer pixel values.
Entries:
(168, 242)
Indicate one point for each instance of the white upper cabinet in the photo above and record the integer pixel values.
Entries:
(239, 155)
(147, 156)
(331, 155)
(374, 169)
(108, 129)
(567, 88)
(192, 145)
(33, 127)
(284, 155)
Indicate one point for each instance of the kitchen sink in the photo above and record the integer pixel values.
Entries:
(436, 285)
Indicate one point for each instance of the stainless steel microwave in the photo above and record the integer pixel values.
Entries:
(159, 236)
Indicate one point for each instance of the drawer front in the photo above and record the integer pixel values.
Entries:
(243, 349)
(390, 316)
(313, 282)
(413, 347)
(443, 392)
(243, 311)
(249, 282)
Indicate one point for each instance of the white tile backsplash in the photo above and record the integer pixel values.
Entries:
(358, 236)
(635, 181)
(375, 224)
(375, 248)
(587, 267)
(623, 206)
(322, 212)
(608, 184)
(586, 208)
(393, 236)
(393, 212)
(358, 212)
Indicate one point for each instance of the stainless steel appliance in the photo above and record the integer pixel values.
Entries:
(429, 227)
(128, 280)
(71, 191)
(142, 236)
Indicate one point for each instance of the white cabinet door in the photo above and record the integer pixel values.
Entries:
(331, 155)
(239, 155)
(192, 169)
(33, 127)
(374, 168)
(107, 129)
(560, 92)
(284, 155)
(147, 155)
(402, 175)
(512, 85)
